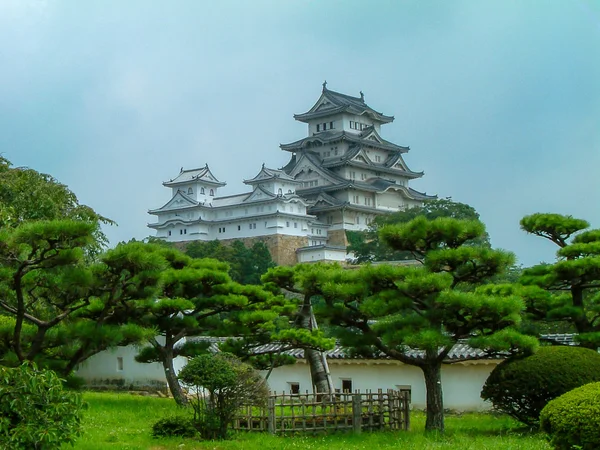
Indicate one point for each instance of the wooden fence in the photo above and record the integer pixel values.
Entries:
(291, 413)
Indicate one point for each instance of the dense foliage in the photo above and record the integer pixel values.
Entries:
(219, 385)
(573, 420)
(366, 246)
(521, 387)
(27, 195)
(61, 308)
(417, 313)
(198, 300)
(567, 290)
(246, 265)
(35, 411)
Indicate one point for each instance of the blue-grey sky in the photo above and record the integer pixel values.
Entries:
(499, 100)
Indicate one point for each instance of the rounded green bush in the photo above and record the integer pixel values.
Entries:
(573, 419)
(521, 387)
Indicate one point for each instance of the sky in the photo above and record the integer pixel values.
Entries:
(499, 100)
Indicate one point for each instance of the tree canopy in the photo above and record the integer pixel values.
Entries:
(247, 265)
(27, 195)
(417, 313)
(367, 246)
(571, 285)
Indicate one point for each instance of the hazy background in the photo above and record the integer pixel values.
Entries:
(498, 100)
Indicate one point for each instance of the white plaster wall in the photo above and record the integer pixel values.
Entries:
(389, 201)
(462, 383)
(102, 369)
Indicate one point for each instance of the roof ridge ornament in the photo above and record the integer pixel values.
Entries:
(324, 85)
(362, 97)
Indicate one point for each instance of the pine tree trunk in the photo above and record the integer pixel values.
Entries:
(319, 369)
(435, 399)
(172, 381)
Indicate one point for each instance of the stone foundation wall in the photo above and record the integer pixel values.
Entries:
(282, 247)
(337, 238)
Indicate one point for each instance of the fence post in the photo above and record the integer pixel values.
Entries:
(406, 404)
(356, 413)
(271, 415)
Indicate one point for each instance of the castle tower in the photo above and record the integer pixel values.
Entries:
(347, 170)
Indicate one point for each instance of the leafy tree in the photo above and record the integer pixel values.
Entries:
(60, 307)
(35, 411)
(571, 283)
(247, 265)
(27, 195)
(367, 246)
(298, 282)
(221, 384)
(199, 299)
(417, 314)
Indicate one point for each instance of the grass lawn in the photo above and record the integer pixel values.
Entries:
(124, 421)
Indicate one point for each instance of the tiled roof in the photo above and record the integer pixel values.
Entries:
(201, 174)
(327, 137)
(339, 102)
(268, 174)
(459, 352)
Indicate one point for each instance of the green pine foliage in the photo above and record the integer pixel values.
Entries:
(522, 387)
(568, 290)
(416, 313)
(366, 246)
(572, 420)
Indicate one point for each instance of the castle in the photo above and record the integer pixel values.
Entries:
(339, 178)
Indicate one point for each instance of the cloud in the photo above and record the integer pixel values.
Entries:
(498, 100)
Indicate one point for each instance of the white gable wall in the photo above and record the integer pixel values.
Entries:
(462, 383)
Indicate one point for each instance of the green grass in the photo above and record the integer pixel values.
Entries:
(124, 421)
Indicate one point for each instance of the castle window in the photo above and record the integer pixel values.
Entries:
(119, 363)
(190, 191)
(279, 191)
(377, 158)
(295, 224)
(180, 231)
(357, 220)
(202, 190)
(169, 232)
(185, 231)
(330, 124)
(347, 385)
(324, 126)
(287, 224)
(289, 191)
(294, 387)
(212, 192)
(239, 227)
(318, 127)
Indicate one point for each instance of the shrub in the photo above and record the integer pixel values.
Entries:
(182, 426)
(573, 419)
(35, 411)
(74, 383)
(521, 387)
(221, 384)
